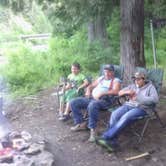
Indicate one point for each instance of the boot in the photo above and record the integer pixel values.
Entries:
(92, 135)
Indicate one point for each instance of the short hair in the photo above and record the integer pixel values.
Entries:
(77, 65)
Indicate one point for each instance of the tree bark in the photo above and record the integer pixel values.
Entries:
(91, 31)
(97, 31)
(101, 32)
(132, 36)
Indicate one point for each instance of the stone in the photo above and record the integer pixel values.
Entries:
(43, 159)
(34, 148)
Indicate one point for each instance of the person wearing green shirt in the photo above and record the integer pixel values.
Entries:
(74, 88)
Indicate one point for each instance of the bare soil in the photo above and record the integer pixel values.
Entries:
(38, 115)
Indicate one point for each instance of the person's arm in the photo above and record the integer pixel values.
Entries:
(114, 90)
(68, 86)
(90, 88)
(85, 84)
(126, 91)
(151, 98)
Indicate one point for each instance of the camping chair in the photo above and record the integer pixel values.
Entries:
(62, 82)
(156, 76)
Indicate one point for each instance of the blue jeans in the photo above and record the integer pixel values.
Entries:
(92, 106)
(120, 118)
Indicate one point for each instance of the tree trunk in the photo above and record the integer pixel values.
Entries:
(91, 31)
(97, 31)
(132, 36)
(101, 33)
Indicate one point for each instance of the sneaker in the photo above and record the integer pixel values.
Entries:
(104, 143)
(92, 136)
(79, 127)
(64, 118)
(60, 114)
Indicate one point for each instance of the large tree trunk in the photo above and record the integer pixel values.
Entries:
(97, 30)
(91, 31)
(132, 36)
(101, 33)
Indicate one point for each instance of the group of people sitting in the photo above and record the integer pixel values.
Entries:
(99, 95)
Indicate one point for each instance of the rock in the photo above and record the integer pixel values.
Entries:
(26, 136)
(20, 144)
(14, 134)
(34, 149)
(23, 160)
(43, 159)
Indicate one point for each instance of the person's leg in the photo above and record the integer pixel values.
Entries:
(93, 112)
(77, 105)
(116, 114)
(66, 115)
(70, 94)
(61, 107)
(67, 109)
(125, 120)
(63, 101)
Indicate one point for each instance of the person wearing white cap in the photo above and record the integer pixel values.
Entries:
(141, 94)
(99, 96)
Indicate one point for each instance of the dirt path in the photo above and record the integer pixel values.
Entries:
(38, 115)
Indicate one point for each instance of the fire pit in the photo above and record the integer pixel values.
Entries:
(19, 149)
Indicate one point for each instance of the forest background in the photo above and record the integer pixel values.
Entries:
(37, 64)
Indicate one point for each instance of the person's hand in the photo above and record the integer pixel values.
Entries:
(78, 89)
(132, 94)
(88, 94)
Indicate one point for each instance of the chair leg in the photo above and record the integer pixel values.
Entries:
(159, 119)
(143, 130)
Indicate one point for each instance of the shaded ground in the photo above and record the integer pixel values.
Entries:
(38, 115)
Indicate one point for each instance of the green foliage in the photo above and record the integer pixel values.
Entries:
(90, 56)
(28, 71)
(38, 19)
(114, 33)
(67, 16)
(160, 43)
(155, 8)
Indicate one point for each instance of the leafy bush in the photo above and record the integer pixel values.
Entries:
(28, 71)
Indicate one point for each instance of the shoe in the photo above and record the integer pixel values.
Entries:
(92, 136)
(60, 114)
(79, 127)
(104, 143)
(64, 118)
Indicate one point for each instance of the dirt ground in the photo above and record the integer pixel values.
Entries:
(38, 115)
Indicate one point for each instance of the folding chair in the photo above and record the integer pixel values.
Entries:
(62, 82)
(156, 76)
